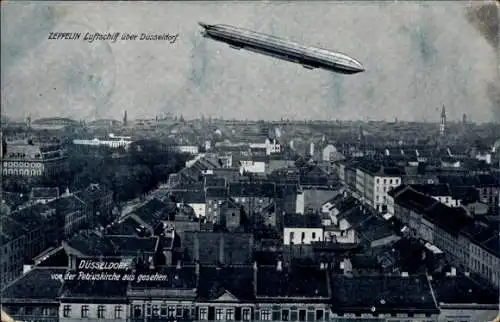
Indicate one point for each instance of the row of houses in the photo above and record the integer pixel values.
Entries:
(246, 293)
(371, 181)
(471, 241)
(28, 231)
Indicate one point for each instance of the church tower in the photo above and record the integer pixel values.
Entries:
(442, 125)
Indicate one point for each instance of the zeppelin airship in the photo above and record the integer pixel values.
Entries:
(309, 57)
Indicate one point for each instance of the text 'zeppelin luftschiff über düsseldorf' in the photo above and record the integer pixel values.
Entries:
(112, 36)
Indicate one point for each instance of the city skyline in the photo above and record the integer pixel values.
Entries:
(416, 61)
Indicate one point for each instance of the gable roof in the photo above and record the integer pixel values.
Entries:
(231, 283)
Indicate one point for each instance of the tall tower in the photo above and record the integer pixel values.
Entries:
(28, 121)
(464, 119)
(442, 126)
(125, 118)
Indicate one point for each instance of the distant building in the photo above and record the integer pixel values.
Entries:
(440, 192)
(471, 245)
(44, 194)
(112, 141)
(302, 229)
(253, 196)
(373, 182)
(253, 165)
(331, 154)
(270, 145)
(194, 199)
(191, 149)
(52, 123)
(29, 159)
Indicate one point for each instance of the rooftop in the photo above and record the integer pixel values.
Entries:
(302, 221)
(36, 284)
(31, 217)
(94, 290)
(461, 289)
(252, 190)
(381, 294)
(92, 244)
(44, 192)
(10, 229)
(210, 248)
(235, 281)
(289, 282)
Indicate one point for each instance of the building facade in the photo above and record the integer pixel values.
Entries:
(28, 159)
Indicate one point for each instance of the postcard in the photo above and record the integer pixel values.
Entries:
(250, 161)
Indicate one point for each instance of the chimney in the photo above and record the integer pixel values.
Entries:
(279, 266)
(346, 265)
(221, 249)
(179, 266)
(255, 270)
(197, 273)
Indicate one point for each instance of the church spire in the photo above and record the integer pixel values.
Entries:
(442, 125)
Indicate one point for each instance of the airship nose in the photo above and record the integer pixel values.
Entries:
(204, 25)
(356, 64)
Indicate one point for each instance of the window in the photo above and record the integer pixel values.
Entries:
(45, 311)
(219, 314)
(246, 314)
(203, 313)
(302, 236)
(100, 311)
(118, 312)
(313, 235)
(319, 315)
(171, 311)
(229, 314)
(85, 311)
(67, 311)
(163, 310)
(265, 315)
(28, 310)
(178, 311)
(137, 311)
(155, 310)
(302, 315)
(292, 236)
(285, 315)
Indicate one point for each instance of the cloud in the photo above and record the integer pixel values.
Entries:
(485, 18)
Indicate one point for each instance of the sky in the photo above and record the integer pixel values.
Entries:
(418, 57)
